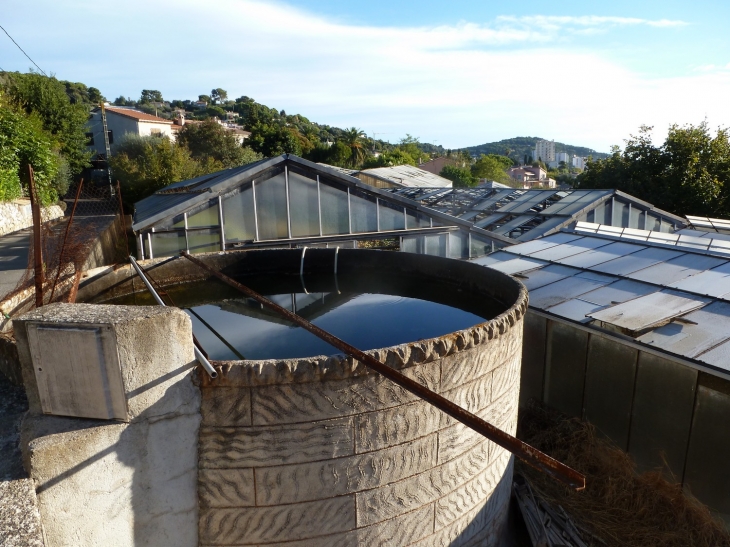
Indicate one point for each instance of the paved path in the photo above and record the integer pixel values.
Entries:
(13, 259)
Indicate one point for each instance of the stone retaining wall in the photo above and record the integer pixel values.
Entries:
(16, 215)
(324, 452)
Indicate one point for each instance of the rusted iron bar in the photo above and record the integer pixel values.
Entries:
(73, 293)
(35, 208)
(122, 218)
(522, 450)
(202, 359)
(65, 236)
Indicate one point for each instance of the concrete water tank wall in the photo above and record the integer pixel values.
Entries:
(325, 452)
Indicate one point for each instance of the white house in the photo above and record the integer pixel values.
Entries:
(119, 122)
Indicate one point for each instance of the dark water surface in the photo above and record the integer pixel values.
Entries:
(367, 314)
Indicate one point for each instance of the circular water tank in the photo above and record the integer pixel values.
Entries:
(323, 451)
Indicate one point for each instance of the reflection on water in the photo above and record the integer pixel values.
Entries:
(242, 328)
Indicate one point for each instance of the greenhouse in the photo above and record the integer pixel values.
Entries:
(288, 201)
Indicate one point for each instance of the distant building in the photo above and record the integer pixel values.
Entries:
(562, 156)
(530, 177)
(121, 121)
(436, 165)
(579, 162)
(544, 150)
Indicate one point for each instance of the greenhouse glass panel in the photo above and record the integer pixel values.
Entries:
(334, 210)
(620, 214)
(364, 213)
(635, 219)
(391, 217)
(458, 245)
(204, 242)
(653, 223)
(436, 244)
(416, 220)
(409, 244)
(206, 218)
(239, 218)
(271, 208)
(479, 246)
(168, 244)
(304, 205)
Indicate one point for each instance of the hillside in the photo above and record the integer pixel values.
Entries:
(518, 147)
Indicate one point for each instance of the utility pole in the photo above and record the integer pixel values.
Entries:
(108, 149)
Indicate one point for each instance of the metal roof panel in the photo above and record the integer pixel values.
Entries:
(601, 254)
(650, 310)
(711, 327)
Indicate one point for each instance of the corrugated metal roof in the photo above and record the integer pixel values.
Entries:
(673, 298)
(551, 210)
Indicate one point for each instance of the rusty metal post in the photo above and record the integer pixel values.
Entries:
(529, 454)
(65, 236)
(35, 208)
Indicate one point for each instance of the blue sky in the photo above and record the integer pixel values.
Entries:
(456, 73)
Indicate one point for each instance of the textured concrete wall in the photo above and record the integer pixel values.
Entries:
(16, 215)
(110, 483)
(326, 453)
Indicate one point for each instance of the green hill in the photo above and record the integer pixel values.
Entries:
(519, 147)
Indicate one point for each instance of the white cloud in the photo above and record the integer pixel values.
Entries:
(459, 85)
(561, 21)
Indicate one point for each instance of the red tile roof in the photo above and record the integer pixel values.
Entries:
(137, 115)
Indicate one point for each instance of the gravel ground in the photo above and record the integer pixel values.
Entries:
(19, 517)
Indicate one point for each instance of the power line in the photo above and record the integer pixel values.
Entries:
(24, 53)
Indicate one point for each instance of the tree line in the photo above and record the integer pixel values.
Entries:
(688, 174)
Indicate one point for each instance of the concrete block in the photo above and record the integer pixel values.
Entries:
(226, 406)
(456, 439)
(397, 498)
(397, 425)
(482, 525)
(115, 484)
(299, 402)
(506, 377)
(402, 530)
(469, 365)
(254, 525)
(226, 447)
(472, 396)
(472, 494)
(321, 480)
(107, 338)
(226, 488)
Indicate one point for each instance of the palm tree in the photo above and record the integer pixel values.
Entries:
(352, 138)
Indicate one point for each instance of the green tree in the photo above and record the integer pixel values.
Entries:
(491, 167)
(143, 165)
(397, 156)
(23, 142)
(411, 146)
(205, 98)
(218, 95)
(211, 141)
(150, 96)
(273, 140)
(46, 98)
(688, 174)
(460, 176)
(216, 111)
(352, 138)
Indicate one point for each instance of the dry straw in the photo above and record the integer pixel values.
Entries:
(619, 506)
